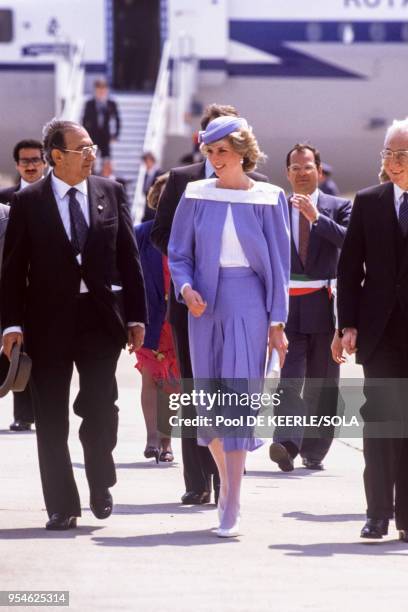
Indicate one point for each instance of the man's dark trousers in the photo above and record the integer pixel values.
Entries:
(386, 458)
(95, 353)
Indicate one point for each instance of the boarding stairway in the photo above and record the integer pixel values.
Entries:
(134, 109)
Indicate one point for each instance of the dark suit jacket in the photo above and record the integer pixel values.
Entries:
(175, 187)
(309, 313)
(101, 135)
(371, 280)
(41, 276)
(6, 195)
(4, 215)
(149, 213)
(152, 266)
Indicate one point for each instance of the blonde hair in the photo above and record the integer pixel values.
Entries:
(155, 191)
(245, 144)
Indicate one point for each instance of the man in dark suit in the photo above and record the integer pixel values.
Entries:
(101, 118)
(309, 378)
(197, 460)
(28, 155)
(373, 320)
(72, 283)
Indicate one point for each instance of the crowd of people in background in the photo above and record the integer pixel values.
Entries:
(223, 270)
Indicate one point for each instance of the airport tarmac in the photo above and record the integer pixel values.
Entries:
(300, 548)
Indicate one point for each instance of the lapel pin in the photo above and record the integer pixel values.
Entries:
(100, 208)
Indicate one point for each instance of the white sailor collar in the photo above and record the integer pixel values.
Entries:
(260, 193)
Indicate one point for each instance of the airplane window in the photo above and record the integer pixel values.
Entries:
(346, 33)
(377, 32)
(6, 25)
(313, 32)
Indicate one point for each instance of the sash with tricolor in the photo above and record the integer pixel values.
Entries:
(301, 284)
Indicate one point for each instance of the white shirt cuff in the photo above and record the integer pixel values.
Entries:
(273, 323)
(133, 324)
(183, 287)
(14, 328)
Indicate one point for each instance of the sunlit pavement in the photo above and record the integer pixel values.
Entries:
(300, 548)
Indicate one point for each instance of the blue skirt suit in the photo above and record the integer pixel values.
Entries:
(228, 342)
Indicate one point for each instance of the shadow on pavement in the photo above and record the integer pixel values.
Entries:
(295, 475)
(176, 508)
(7, 432)
(144, 465)
(178, 538)
(330, 549)
(324, 518)
(38, 533)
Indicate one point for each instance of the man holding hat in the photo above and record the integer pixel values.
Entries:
(72, 282)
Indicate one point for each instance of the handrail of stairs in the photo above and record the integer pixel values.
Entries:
(156, 127)
(69, 83)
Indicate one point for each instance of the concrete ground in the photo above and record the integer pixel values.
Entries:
(300, 549)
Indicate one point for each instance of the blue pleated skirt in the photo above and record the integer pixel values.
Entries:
(228, 350)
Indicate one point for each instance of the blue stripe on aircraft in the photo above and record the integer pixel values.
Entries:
(265, 34)
(269, 37)
(90, 68)
(293, 64)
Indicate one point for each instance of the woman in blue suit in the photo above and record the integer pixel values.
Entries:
(229, 260)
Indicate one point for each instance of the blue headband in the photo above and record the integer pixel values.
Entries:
(220, 127)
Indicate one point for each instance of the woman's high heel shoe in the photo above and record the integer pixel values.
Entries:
(152, 451)
(231, 532)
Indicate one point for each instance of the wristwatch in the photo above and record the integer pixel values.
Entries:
(278, 325)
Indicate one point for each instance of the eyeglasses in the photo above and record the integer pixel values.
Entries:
(85, 151)
(26, 161)
(400, 156)
(298, 168)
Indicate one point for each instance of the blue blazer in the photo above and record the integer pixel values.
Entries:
(263, 231)
(152, 266)
(313, 313)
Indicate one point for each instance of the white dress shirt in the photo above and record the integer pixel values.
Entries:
(60, 190)
(295, 218)
(398, 197)
(24, 184)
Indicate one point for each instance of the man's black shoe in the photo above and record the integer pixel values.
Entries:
(20, 425)
(312, 464)
(191, 497)
(101, 503)
(61, 522)
(280, 455)
(375, 529)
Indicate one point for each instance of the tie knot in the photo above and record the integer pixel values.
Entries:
(405, 196)
(72, 192)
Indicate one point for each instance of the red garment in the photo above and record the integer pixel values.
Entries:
(162, 364)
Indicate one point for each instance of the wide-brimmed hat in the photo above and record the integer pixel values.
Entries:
(14, 374)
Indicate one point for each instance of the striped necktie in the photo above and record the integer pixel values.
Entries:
(403, 214)
(79, 226)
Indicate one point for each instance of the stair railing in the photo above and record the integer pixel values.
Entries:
(69, 83)
(156, 128)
